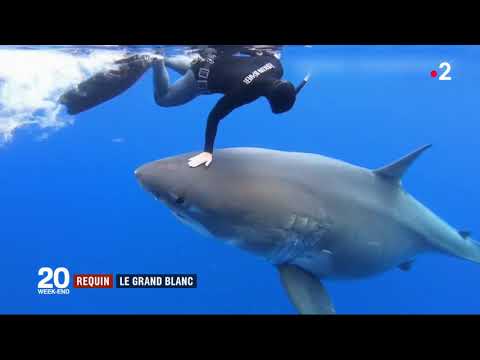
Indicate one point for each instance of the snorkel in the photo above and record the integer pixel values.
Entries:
(302, 84)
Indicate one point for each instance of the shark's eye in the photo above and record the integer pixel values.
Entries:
(180, 200)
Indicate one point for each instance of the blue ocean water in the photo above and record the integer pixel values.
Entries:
(72, 200)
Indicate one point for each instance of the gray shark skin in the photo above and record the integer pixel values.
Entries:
(311, 216)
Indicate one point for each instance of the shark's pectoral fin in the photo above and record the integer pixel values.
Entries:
(305, 291)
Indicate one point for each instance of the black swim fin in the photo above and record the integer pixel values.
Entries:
(105, 85)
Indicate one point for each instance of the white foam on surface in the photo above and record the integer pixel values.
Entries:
(31, 81)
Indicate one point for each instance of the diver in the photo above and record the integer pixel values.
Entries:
(242, 75)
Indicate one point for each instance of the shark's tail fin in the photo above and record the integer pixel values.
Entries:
(472, 247)
(469, 249)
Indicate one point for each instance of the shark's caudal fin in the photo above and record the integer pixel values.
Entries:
(470, 249)
(397, 169)
(457, 243)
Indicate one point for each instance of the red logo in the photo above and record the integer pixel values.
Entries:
(93, 281)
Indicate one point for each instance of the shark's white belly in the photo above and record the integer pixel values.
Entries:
(354, 261)
(365, 252)
(319, 244)
(346, 253)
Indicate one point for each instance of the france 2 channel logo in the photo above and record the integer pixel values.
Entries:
(53, 281)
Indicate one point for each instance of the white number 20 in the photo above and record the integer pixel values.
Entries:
(45, 282)
(447, 67)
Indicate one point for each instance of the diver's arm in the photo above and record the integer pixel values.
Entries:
(224, 106)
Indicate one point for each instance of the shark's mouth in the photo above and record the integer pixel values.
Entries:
(190, 222)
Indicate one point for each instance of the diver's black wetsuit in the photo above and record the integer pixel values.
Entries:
(242, 79)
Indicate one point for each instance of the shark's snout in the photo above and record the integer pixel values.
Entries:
(140, 174)
(146, 176)
(161, 178)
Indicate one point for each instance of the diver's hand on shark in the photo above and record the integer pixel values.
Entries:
(202, 158)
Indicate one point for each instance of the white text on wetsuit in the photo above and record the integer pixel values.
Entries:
(249, 78)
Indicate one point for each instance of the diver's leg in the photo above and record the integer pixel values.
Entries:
(160, 78)
(180, 63)
(181, 92)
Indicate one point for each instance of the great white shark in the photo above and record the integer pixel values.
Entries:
(311, 216)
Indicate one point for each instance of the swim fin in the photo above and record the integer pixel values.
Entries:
(105, 85)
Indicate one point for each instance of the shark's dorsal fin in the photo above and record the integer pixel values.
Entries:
(465, 234)
(397, 169)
